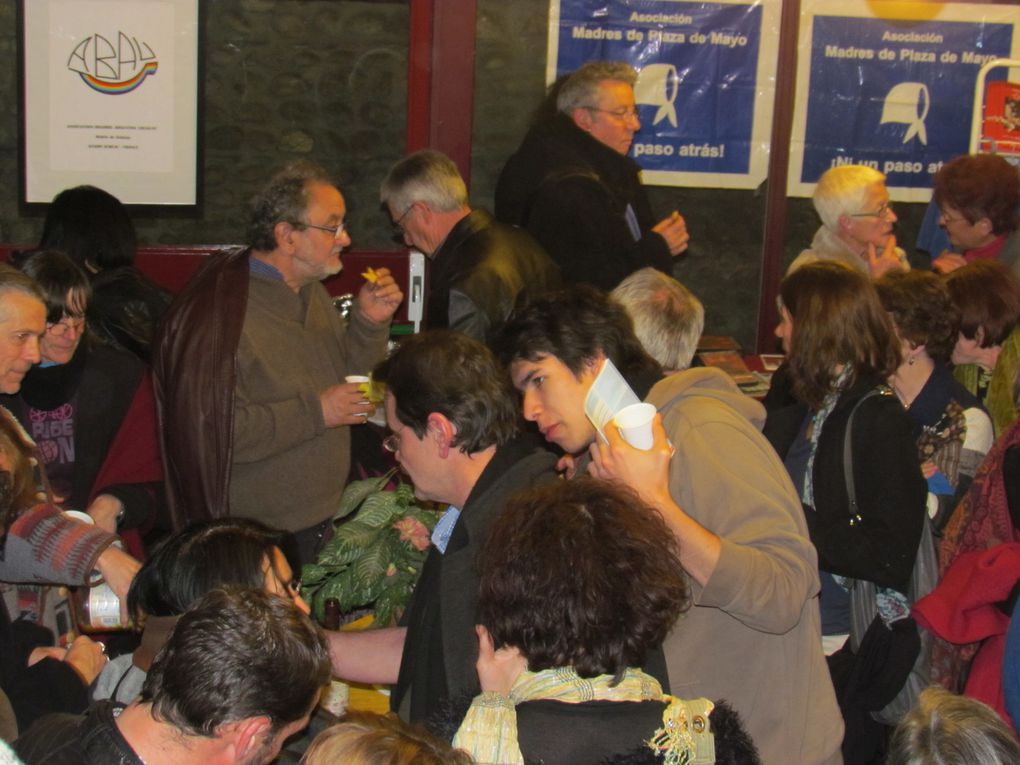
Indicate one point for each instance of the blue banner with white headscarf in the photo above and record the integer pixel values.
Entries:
(891, 86)
(705, 86)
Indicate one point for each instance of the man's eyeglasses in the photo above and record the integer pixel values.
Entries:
(337, 231)
(881, 212)
(398, 224)
(391, 443)
(62, 327)
(623, 113)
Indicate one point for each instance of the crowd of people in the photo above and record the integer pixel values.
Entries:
(773, 581)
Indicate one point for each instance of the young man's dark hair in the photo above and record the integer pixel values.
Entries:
(596, 323)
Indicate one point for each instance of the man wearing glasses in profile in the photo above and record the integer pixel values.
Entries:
(572, 185)
(481, 269)
(250, 363)
(454, 426)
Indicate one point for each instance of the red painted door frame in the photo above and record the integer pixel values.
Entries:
(441, 79)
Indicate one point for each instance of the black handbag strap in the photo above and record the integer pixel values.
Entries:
(848, 452)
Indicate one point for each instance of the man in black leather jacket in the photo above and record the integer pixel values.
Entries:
(481, 269)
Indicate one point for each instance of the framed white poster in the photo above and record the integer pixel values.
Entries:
(110, 98)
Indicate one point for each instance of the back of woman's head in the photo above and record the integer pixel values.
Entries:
(987, 295)
(920, 306)
(946, 729)
(198, 559)
(580, 573)
(837, 320)
(368, 739)
(92, 227)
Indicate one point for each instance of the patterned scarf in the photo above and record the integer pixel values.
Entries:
(489, 730)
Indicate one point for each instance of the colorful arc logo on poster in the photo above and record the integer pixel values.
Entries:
(113, 69)
(704, 83)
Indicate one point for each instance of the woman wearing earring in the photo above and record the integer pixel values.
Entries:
(952, 429)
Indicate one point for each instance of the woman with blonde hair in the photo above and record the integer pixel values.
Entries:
(362, 738)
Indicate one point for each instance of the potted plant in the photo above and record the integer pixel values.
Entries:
(374, 558)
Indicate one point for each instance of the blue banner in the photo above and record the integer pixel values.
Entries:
(698, 93)
(894, 95)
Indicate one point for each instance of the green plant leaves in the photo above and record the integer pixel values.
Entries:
(366, 564)
(357, 491)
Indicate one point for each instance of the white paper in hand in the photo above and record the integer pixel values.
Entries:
(608, 395)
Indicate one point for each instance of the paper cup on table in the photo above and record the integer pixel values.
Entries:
(635, 424)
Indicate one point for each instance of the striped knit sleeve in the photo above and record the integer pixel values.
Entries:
(45, 546)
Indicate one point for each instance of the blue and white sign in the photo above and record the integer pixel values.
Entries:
(894, 93)
(706, 74)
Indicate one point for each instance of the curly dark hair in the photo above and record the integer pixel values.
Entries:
(837, 320)
(920, 306)
(456, 376)
(581, 573)
(987, 295)
(980, 186)
(574, 325)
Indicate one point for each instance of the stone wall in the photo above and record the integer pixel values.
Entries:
(285, 79)
(327, 80)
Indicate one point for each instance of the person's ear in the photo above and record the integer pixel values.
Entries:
(844, 221)
(583, 118)
(594, 363)
(285, 234)
(245, 737)
(442, 432)
(984, 227)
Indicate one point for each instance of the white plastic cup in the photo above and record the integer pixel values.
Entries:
(363, 382)
(635, 424)
(78, 515)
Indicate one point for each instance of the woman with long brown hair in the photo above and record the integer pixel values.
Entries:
(841, 348)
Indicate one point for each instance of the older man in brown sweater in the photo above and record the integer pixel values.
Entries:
(251, 361)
